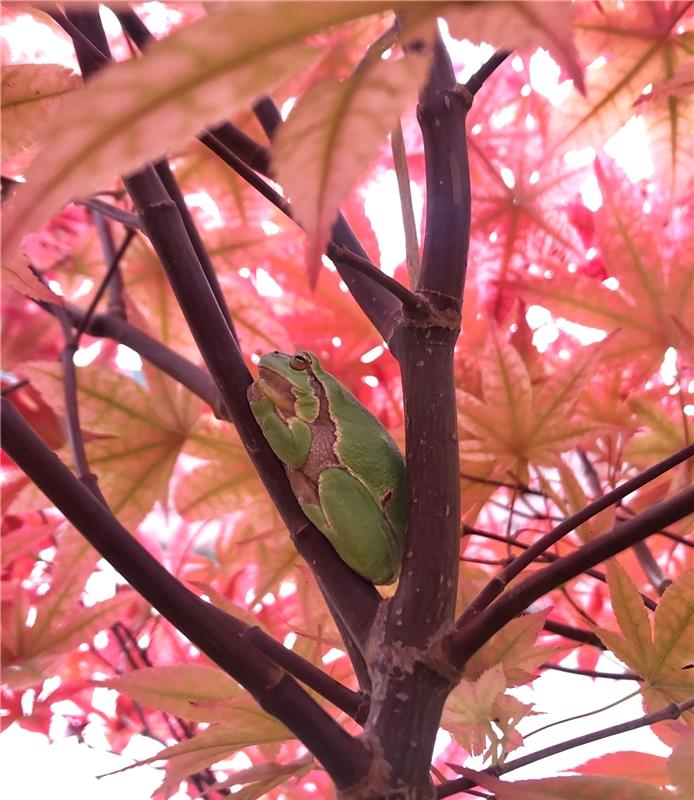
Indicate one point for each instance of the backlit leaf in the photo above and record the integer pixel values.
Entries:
(332, 134)
(630, 613)
(251, 727)
(519, 26)
(473, 706)
(627, 764)
(625, 50)
(61, 622)
(143, 431)
(31, 97)
(134, 111)
(515, 648)
(673, 637)
(680, 767)
(519, 423)
(185, 690)
(227, 482)
(652, 299)
(570, 788)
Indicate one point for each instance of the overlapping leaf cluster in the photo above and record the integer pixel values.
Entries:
(545, 421)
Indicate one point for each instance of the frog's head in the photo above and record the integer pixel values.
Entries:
(286, 380)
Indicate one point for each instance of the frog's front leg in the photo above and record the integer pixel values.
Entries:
(289, 440)
(356, 526)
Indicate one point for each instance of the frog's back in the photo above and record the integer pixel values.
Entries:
(365, 447)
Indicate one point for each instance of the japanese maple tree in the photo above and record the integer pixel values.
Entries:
(517, 313)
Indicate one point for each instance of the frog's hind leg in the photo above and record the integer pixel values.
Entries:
(357, 527)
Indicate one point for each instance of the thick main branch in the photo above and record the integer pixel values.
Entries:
(215, 634)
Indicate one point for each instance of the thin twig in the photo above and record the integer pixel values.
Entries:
(643, 554)
(583, 715)
(74, 432)
(200, 779)
(7, 390)
(126, 218)
(338, 253)
(113, 266)
(466, 640)
(115, 304)
(673, 711)
(496, 586)
(334, 251)
(521, 487)
(594, 673)
(475, 83)
(535, 515)
(573, 633)
(217, 634)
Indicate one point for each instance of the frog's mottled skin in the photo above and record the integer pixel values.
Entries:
(346, 471)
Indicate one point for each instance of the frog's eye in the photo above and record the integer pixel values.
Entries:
(300, 362)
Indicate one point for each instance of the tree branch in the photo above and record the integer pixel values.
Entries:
(575, 634)
(673, 711)
(594, 673)
(467, 640)
(217, 634)
(441, 112)
(412, 692)
(475, 83)
(110, 273)
(241, 152)
(354, 598)
(593, 573)
(114, 283)
(497, 585)
(174, 192)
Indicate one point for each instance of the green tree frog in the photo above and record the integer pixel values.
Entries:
(344, 468)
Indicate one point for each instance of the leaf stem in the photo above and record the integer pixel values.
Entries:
(397, 146)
